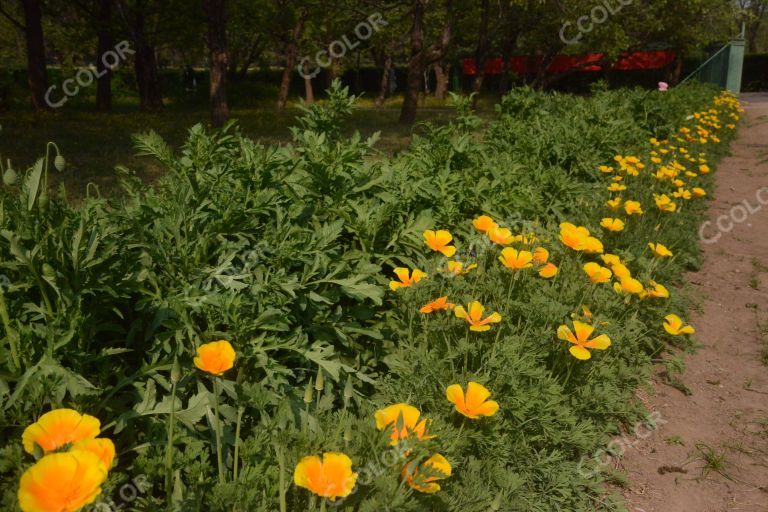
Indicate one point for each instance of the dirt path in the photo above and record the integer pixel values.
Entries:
(710, 451)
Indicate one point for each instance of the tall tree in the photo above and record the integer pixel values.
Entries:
(217, 56)
(145, 57)
(422, 55)
(105, 43)
(37, 75)
(291, 39)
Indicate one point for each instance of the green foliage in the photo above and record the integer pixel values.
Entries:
(286, 252)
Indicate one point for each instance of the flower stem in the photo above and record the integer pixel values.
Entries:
(240, 412)
(219, 458)
(169, 449)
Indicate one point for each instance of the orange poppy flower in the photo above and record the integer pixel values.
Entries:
(437, 305)
(540, 255)
(573, 236)
(215, 357)
(656, 290)
(610, 259)
(438, 241)
(593, 246)
(516, 260)
(407, 279)
(612, 224)
(613, 204)
(597, 273)
(548, 271)
(58, 428)
(500, 236)
(332, 477)
(629, 284)
(659, 250)
(457, 268)
(675, 326)
(633, 208)
(475, 317)
(425, 477)
(484, 223)
(103, 448)
(62, 482)
(474, 404)
(407, 415)
(580, 340)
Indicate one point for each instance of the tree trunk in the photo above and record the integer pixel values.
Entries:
(145, 67)
(675, 73)
(384, 87)
(421, 58)
(37, 77)
(291, 54)
(105, 44)
(309, 93)
(481, 54)
(442, 73)
(215, 11)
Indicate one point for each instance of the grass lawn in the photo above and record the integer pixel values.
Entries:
(94, 143)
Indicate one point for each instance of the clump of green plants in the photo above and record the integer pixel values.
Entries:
(306, 326)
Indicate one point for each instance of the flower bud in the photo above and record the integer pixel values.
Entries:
(59, 163)
(10, 177)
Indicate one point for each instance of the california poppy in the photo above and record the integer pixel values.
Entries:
(408, 417)
(548, 271)
(633, 208)
(58, 428)
(659, 250)
(457, 268)
(516, 260)
(215, 357)
(438, 241)
(406, 278)
(675, 326)
(330, 477)
(475, 317)
(612, 224)
(484, 223)
(500, 236)
(473, 404)
(580, 340)
(103, 448)
(597, 273)
(540, 255)
(62, 482)
(573, 236)
(629, 285)
(437, 305)
(424, 478)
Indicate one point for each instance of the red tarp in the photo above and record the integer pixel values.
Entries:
(562, 63)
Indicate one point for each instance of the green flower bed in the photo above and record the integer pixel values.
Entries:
(288, 253)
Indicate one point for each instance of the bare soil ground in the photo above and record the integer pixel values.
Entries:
(710, 451)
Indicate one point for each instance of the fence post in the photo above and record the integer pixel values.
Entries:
(735, 66)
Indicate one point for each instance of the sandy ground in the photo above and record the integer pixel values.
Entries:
(710, 451)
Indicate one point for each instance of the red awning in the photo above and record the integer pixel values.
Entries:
(562, 63)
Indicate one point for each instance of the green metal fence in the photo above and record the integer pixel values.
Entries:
(724, 67)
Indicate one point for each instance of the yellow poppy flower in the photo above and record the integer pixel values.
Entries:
(437, 305)
(540, 255)
(682, 193)
(657, 291)
(457, 268)
(516, 260)
(548, 271)
(606, 169)
(593, 246)
(332, 477)
(573, 236)
(425, 477)
(438, 241)
(612, 224)
(659, 250)
(699, 192)
(704, 169)
(675, 326)
(103, 448)
(614, 204)
(408, 415)
(580, 340)
(484, 223)
(62, 482)
(610, 259)
(629, 285)
(407, 279)
(620, 271)
(633, 208)
(58, 428)
(616, 187)
(596, 273)
(473, 404)
(475, 317)
(500, 236)
(215, 357)
(664, 203)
